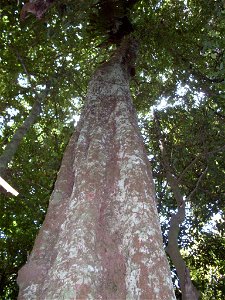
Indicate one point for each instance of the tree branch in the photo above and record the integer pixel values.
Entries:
(12, 146)
(197, 184)
(23, 65)
(205, 154)
(189, 292)
(35, 111)
(187, 168)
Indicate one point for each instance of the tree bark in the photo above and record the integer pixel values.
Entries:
(101, 238)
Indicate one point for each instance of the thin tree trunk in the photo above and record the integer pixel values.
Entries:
(101, 238)
(14, 143)
(189, 291)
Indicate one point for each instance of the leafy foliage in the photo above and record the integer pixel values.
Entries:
(181, 63)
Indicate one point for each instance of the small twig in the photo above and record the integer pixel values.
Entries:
(21, 60)
(197, 184)
(24, 66)
(216, 150)
(187, 168)
(197, 158)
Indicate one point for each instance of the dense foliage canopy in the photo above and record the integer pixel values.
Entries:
(178, 91)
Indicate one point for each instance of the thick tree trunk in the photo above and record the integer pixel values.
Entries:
(101, 238)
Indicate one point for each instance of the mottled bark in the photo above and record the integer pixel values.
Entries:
(189, 291)
(101, 238)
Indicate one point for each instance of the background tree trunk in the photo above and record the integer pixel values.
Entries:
(101, 238)
(11, 148)
(189, 291)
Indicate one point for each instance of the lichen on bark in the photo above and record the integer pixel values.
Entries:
(101, 238)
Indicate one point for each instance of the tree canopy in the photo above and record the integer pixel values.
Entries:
(178, 89)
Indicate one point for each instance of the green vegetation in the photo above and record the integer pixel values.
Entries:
(181, 64)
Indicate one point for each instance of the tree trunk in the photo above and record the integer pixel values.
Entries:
(18, 136)
(189, 291)
(101, 238)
